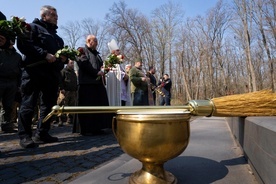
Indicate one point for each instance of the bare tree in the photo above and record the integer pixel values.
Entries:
(131, 25)
(183, 66)
(72, 33)
(90, 26)
(218, 21)
(165, 23)
(265, 17)
(244, 10)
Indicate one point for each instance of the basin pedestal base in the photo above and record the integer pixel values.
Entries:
(152, 174)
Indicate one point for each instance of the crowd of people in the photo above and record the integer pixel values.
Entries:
(33, 87)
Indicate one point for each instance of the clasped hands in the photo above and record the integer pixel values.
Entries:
(145, 79)
(52, 58)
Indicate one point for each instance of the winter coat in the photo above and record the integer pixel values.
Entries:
(43, 39)
(90, 64)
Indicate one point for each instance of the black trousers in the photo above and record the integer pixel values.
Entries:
(93, 95)
(34, 89)
(8, 89)
(140, 98)
(165, 100)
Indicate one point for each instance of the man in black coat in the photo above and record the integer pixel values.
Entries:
(40, 77)
(92, 91)
(9, 77)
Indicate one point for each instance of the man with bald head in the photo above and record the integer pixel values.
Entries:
(92, 91)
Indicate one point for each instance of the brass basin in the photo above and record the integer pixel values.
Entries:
(153, 137)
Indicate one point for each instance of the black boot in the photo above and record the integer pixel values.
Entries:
(27, 142)
(8, 128)
(44, 138)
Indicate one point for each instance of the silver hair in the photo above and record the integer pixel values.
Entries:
(46, 9)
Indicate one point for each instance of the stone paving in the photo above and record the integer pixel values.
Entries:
(70, 158)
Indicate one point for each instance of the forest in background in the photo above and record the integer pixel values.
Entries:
(229, 50)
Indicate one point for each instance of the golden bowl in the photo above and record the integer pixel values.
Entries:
(153, 137)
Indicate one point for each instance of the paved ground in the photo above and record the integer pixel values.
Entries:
(73, 156)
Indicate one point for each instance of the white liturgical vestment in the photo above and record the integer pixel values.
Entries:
(117, 88)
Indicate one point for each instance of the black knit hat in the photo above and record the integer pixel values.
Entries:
(2, 16)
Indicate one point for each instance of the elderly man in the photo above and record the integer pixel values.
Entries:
(92, 91)
(39, 80)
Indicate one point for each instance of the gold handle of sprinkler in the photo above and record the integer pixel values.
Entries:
(196, 108)
(201, 107)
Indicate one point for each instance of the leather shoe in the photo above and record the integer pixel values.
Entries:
(45, 138)
(27, 143)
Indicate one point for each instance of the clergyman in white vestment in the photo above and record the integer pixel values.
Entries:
(118, 90)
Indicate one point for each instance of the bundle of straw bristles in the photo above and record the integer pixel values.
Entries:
(260, 103)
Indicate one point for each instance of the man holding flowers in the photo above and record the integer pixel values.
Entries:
(92, 91)
(39, 79)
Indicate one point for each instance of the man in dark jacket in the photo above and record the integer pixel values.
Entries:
(9, 77)
(153, 82)
(139, 84)
(166, 85)
(92, 91)
(40, 77)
